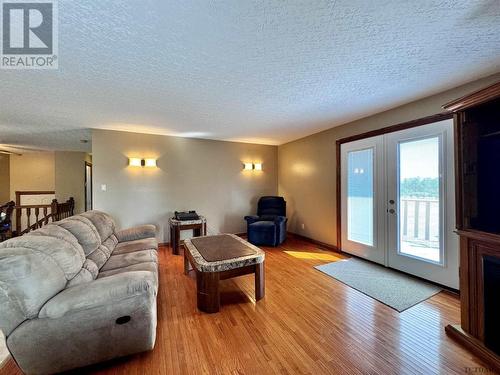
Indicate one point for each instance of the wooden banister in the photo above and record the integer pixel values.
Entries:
(18, 210)
(58, 211)
(19, 207)
(35, 205)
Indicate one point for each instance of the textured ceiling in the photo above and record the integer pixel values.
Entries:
(265, 71)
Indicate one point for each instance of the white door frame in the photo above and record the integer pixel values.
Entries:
(445, 273)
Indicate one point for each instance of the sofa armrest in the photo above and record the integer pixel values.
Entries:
(252, 219)
(280, 219)
(98, 293)
(136, 233)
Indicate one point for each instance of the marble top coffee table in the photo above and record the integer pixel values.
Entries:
(221, 257)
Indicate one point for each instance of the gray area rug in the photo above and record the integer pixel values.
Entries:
(393, 288)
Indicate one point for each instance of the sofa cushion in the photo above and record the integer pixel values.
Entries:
(84, 231)
(124, 260)
(29, 278)
(88, 335)
(110, 243)
(146, 266)
(52, 230)
(104, 223)
(271, 205)
(137, 245)
(267, 217)
(100, 256)
(99, 294)
(87, 274)
(66, 257)
(136, 233)
(33, 268)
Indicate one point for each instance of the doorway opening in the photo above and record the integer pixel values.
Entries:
(88, 186)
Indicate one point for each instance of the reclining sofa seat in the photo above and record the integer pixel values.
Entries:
(78, 292)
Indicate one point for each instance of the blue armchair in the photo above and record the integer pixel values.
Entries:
(268, 227)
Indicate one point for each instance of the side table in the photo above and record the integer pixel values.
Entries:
(199, 228)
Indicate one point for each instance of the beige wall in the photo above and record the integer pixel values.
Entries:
(32, 171)
(307, 167)
(62, 172)
(4, 179)
(70, 177)
(192, 174)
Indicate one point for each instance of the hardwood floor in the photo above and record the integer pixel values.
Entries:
(308, 323)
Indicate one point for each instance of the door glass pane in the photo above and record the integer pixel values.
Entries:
(360, 196)
(419, 199)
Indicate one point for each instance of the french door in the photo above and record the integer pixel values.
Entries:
(362, 184)
(397, 201)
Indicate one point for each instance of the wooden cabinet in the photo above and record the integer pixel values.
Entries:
(477, 168)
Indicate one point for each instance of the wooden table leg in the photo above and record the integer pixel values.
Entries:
(172, 238)
(208, 296)
(260, 281)
(177, 235)
(186, 263)
(197, 231)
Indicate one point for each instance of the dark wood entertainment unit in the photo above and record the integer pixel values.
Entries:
(477, 168)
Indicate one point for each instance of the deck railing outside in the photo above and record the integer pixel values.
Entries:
(419, 221)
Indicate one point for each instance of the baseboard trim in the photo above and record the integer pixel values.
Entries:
(299, 236)
(315, 242)
(474, 345)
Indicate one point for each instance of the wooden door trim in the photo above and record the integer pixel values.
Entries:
(88, 164)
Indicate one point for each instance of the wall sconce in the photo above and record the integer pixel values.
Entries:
(136, 162)
(252, 166)
(247, 166)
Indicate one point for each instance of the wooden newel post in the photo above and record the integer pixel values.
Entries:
(18, 220)
(72, 206)
(53, 209)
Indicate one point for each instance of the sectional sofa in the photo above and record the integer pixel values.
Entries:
(77, 292)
